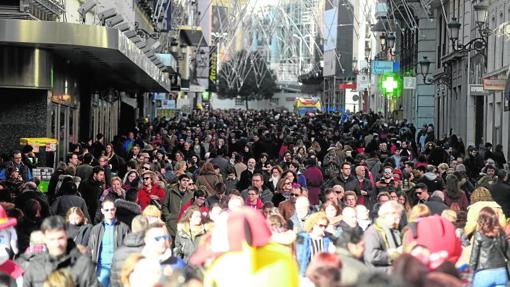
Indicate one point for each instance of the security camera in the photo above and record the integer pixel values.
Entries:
(86, 7)
(107, 14)
(117, 19)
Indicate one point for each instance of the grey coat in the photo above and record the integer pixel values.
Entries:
(82, 269)
(96, 237)
(375, 254)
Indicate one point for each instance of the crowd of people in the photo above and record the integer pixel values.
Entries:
(260, 198)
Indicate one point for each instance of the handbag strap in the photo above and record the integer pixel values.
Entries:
(208, 183)
(498, 247)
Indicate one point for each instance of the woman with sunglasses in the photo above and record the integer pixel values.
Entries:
(313, 240)
(151, 192)
(283, 191)
(190, 230)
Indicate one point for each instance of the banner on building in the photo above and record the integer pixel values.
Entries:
(213, 69)
(330, 28)
(168, 104)
(329, 63)
(494, 84)
(409, 83)
(362, 82)
(203, 62)
(382, 67)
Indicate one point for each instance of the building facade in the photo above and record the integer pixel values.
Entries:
(78, 72)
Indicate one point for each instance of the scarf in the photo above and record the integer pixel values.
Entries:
(390, 236)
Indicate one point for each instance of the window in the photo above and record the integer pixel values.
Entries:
(239, 102)
(275, 101)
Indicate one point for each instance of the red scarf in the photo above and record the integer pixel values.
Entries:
(258, 205)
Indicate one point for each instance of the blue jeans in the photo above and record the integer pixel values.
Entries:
(103, 275)
(496, 277)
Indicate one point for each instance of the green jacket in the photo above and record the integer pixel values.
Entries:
(172, 205)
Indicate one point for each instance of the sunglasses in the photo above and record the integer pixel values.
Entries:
(161, 237)
(294, 194)
(418, 193)
(146, 168)
(146, 178)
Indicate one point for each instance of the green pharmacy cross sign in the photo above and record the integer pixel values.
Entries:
(391, 85)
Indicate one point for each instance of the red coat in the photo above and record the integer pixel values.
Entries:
(144, 195)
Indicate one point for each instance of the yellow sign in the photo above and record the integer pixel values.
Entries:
(49, 143)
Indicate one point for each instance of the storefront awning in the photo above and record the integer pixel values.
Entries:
(104, 51)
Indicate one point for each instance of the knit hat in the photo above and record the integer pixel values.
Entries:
(481, 194)
(6, 222)
(437, 234)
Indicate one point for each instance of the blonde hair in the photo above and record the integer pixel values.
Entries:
(128, 266)
(314, 219)
(151, 210)
(78, 211)
(59, 278)
(450, 215)
(419, 211)
(117, 179)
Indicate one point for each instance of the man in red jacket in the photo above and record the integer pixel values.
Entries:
(150, 191)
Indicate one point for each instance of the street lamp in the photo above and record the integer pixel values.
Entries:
(383, 41)
(476, 44)
(424, 67)
(481, 13)
(454, 27)
(390, 41)
(444, 78)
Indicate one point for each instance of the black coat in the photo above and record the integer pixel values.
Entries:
(81, 268)
(52, 185)
(501, 194)
(90, 190)
(80, 234)
(350, 183)
(62, 204)
(436, 206)
(84, 171)
(133, 243)
(488, 253)
(24, 228)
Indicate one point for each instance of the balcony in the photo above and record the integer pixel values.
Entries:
(47, 10)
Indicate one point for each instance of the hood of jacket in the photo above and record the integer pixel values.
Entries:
(134, 239)
(430, 176)
(128, 205)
